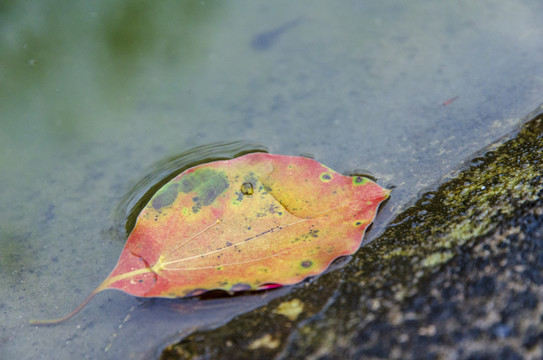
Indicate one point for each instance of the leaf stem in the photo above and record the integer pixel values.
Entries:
(62, 319)
(104, 285)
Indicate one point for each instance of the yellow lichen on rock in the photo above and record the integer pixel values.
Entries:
(290, 309)
(266, 341)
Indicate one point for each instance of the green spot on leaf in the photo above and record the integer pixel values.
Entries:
(359, 180)
(207, 183)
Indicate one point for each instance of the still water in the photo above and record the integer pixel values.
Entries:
(96, 97)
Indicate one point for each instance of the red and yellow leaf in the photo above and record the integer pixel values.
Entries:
(254, 222)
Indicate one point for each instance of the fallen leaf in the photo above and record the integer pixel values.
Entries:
(255, 222)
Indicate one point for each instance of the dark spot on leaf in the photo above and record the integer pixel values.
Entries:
(311, 234)
(359, 180)
(197, 204)
(166, 196)
(273, 208)
(228, 243)
(325, 177)
(307, 263)
(211, 195)
(266, 188)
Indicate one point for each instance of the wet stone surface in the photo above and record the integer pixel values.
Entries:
(483, 304)
(457, 276)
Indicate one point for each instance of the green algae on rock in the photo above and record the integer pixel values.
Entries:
(386, 284)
